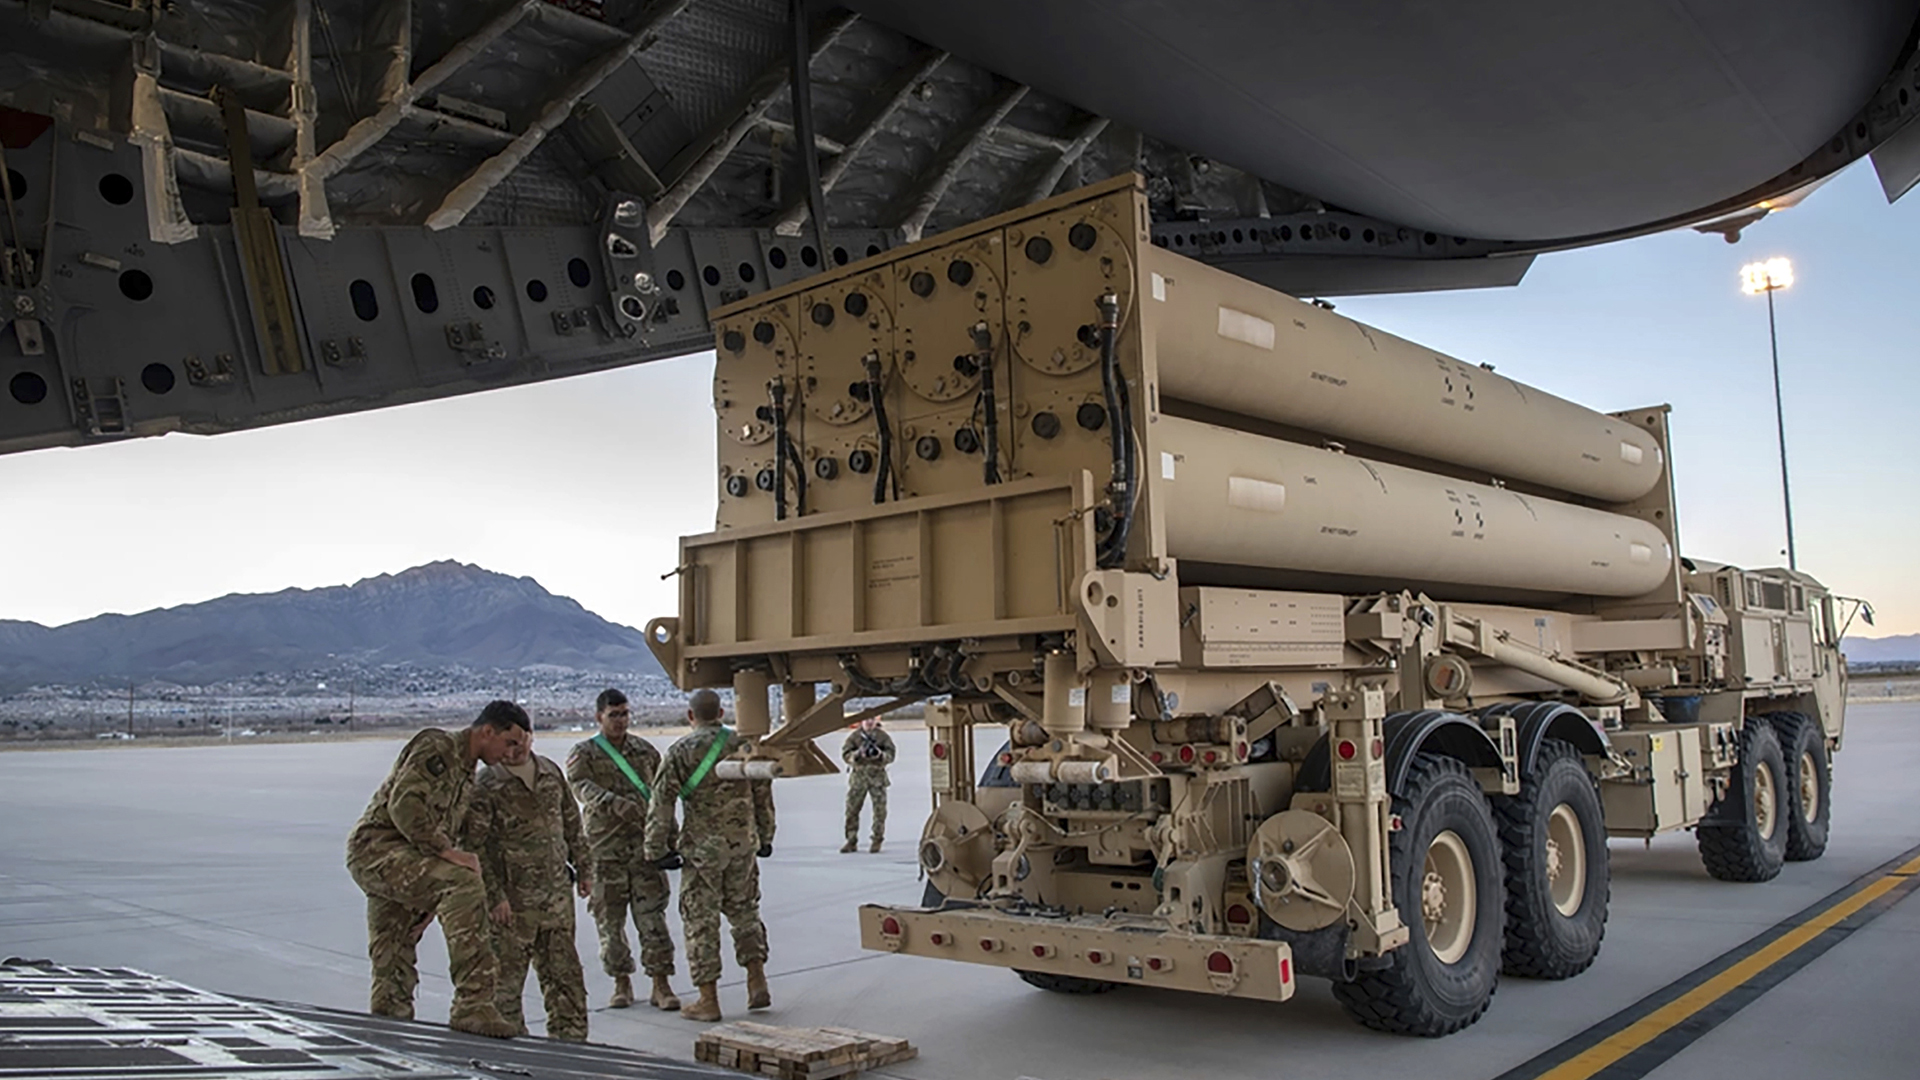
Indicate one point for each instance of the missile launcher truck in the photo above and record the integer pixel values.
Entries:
(1310, 651)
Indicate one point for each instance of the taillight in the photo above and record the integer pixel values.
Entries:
(890, 926)
(1186, 755)
(1095, 956)
(1238, 915)
(1158, 963)
(939, 751)
(1286, 970)
(1379, 748)
(1219, 963)
(1156, 757)
(1211, 757)
(1347, 749)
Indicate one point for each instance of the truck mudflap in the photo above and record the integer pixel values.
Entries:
(1087, 947)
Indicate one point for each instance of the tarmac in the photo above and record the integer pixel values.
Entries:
(221, 867)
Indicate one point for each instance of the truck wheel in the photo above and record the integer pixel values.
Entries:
(1447, 882)
(1749, 843)
(1553, 836)
(1066, 984)
(1808, 787)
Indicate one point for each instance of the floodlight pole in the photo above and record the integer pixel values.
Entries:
(1780, 428)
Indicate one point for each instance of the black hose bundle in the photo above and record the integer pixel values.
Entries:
(778, 392)
(1123, 491)
(785, 455)
(990, 423)
(883, 476)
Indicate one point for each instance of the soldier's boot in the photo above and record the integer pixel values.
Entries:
(481, 1019)
(707, 1009)
(875, 846)
(852, 845)
(758, 997)
(663, 996)
(622, 992)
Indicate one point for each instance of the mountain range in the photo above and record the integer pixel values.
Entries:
(440, 614)
(1886, 650)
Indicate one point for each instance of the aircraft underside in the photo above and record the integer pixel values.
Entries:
(446, 196)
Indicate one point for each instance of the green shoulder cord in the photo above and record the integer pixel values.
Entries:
(706, 764)
(621, 760)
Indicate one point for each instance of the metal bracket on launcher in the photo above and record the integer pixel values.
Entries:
(626, 252)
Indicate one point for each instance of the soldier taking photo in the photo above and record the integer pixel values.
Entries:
(402, 855)
(868, 751)
(525, 827)
(612, 773)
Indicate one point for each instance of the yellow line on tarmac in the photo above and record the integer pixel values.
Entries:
(1670, 1015)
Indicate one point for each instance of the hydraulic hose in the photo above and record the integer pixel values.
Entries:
(1121, 490)
(883, 474)
(990, 424)
(799, 475)
(777, 389)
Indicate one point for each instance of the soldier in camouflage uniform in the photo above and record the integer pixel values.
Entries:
(526, 828)
(868, 751)
(623, 879)
(402, 855)
(729, 825)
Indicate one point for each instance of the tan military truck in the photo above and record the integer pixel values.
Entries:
(1313, 652)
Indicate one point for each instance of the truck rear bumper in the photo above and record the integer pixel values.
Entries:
(1087, 947)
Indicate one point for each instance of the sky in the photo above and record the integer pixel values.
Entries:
(585, 484)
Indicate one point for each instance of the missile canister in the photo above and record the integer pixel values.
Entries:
(1228, 343)
(1233, 498)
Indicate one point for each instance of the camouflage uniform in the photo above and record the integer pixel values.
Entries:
(623, 879)
(867, 777)
(526, 838)
(394, 856)
(727, 823)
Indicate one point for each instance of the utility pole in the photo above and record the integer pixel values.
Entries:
(1770, 277)
(1780, 429)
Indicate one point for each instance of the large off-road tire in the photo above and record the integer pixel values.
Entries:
(1808, 787)
(1448, 883)
(1750, 841)
(1553, 839)
(1066, 984)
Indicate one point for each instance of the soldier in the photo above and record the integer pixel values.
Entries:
(611, 773)
(526, 828)
(729, 824)
(402, 856)
(868, 751)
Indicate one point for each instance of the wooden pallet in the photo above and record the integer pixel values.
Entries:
(785, 1053)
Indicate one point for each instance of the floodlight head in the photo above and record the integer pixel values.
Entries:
(1769, 276)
